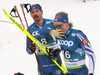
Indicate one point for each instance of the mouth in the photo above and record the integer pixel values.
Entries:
(35, 17)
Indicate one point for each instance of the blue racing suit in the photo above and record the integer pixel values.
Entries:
(49, 67)
(75, 45)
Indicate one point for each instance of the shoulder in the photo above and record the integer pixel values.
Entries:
(81, 37)
(32, 25)
(80, 34)
(48, 21)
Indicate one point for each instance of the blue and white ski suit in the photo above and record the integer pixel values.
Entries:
(75, 45)
(49, 66)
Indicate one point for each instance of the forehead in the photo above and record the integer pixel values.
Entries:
(35, 10)
(56, 23)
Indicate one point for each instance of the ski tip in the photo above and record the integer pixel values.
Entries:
(4, 11)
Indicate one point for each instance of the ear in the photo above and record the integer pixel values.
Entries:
(67, 24)
(42, 12)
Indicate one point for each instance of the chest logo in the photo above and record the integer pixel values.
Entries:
(35, 33)
(43, 40)
(66, 43)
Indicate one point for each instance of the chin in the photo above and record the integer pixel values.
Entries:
(37, 20)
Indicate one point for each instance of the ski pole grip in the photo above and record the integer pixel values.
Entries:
(22, 7)
(16, 10)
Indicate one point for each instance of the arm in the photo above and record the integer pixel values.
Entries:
(30, 48)
(84, 43)
(44, 31)
(27, 46)
(51, 33)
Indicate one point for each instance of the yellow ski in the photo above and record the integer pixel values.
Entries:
(39, 44)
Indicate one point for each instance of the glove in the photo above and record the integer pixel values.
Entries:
(56, 34)
(91, 74)
(32, 48)
(53, 53)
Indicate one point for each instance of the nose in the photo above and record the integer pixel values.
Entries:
(35, 13)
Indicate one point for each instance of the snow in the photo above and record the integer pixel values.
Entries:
(13, 55)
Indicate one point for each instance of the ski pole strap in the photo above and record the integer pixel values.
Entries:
(27, 7)
(13, 11)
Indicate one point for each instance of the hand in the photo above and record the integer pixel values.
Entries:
(53, 53)
(32, 48)
(91, 74)
(56, 34)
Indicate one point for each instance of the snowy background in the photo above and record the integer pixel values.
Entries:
(13, 55)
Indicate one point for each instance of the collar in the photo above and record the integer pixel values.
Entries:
(42, 24)
(69, 31)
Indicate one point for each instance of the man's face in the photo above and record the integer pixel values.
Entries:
(36, 15)
(62, 26)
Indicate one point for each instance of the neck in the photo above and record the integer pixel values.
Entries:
(39, 22)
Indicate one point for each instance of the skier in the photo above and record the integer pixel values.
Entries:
(75, 45)
(49, 67)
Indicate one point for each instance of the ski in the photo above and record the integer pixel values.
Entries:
(39, 44)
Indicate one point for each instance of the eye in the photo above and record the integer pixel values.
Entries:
(37, 11)
(32, 12)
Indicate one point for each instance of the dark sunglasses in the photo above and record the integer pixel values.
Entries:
(57, 26)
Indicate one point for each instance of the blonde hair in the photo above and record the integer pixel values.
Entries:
(63, 13)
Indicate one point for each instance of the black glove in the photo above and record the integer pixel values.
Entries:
(53, 53)
(32, 47)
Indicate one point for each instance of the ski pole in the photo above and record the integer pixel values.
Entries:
(19, 16)
(21, 21)
(24, 17)
(38, 61)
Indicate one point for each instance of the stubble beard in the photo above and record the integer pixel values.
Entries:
(37, 20)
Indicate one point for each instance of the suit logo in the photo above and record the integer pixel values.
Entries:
(66, 43)
(35, 33)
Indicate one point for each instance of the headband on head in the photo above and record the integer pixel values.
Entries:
(36, 6)
(61, 18)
